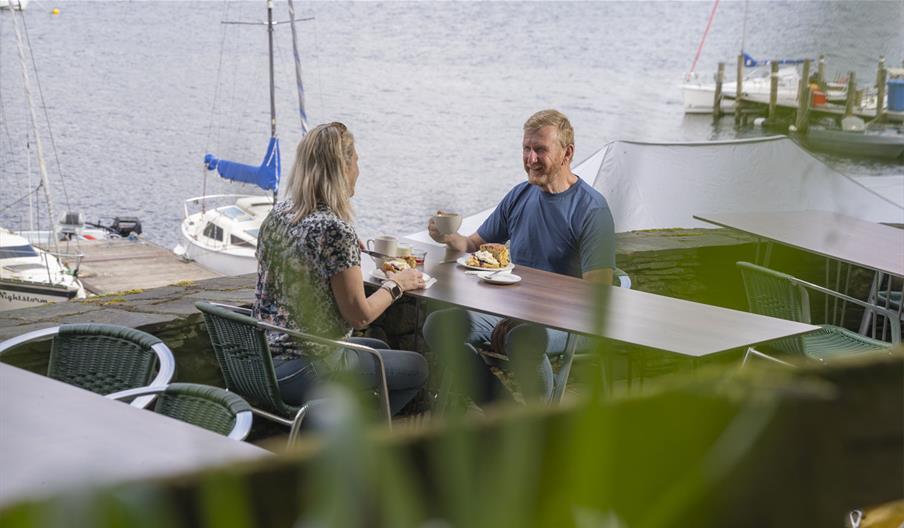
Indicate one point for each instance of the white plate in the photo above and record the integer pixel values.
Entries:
(464, 258)
(500, 278)
(378, 274)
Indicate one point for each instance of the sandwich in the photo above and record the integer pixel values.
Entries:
(482, 259)
(499, 252)
(395, 265)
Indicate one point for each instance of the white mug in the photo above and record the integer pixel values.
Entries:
(384, 244)
(447, 223)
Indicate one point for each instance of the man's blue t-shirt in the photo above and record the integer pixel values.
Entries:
(570, 233)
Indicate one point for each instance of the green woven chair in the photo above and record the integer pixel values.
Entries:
(780, 295)
(103, 358)
(240, 345)
(212, 408)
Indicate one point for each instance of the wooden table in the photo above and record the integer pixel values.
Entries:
(833, 235)
(573, 305)
(55, 436)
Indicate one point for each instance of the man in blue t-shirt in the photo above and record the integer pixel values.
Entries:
(554, 221)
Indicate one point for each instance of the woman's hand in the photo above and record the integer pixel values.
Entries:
(409, 279)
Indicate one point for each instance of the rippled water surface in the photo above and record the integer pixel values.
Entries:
(137, 92)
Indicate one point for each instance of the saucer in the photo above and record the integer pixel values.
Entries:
(499, 278)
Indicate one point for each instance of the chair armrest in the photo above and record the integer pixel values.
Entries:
(381, 370)
(892, 316)
(35, 335)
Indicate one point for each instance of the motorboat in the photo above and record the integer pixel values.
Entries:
(223, 239)
(854, 138)
(30, 276)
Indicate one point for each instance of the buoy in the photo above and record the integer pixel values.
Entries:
(55, 11)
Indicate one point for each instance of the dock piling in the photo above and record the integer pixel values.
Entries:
(851, 94)
(773, 90)
(717, 98)
(803, 98)
(880, 89)
(739, 89)
(821, 72)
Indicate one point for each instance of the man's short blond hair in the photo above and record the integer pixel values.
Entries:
(555, 118)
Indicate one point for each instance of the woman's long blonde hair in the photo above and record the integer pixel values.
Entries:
(319, 173)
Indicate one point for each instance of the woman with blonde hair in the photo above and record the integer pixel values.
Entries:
(309, 276)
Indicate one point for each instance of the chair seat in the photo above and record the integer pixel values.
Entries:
(831, 342)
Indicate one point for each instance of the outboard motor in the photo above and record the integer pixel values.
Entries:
(126, 225)
(70, 224)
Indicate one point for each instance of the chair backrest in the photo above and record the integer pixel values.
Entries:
(776, 294)
(103, 358)
(773, 293)
(241, 349)
(212, 408)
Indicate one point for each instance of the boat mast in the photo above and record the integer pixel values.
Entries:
(45, 183)
(272, 82)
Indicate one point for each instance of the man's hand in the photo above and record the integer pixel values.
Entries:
(454, 241)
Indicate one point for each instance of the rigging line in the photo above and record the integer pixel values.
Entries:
(317, 64)
(712, 15)
(53, 148)
(216, 93)
(23, 197)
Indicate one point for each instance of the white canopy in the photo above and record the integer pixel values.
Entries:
(662, 185)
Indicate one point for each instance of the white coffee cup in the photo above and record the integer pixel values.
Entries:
(447, 223)
(384, 244)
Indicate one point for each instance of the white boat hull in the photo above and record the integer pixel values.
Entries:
(224, 239)
(223, 262)
(698, 99)
(21, 294)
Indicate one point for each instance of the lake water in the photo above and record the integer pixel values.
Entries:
(436, 93)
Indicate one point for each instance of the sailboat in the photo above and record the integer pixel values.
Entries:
(224, 238)
(699, 95)
(29, 275)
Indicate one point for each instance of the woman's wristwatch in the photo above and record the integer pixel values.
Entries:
(393, 288)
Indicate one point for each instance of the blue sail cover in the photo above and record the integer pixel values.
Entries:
(266, 176)
(750, 62)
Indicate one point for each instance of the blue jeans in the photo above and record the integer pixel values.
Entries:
(406, 373)
(477, 329)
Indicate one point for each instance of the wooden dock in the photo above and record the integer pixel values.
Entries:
(118, 265)
(829, 109)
